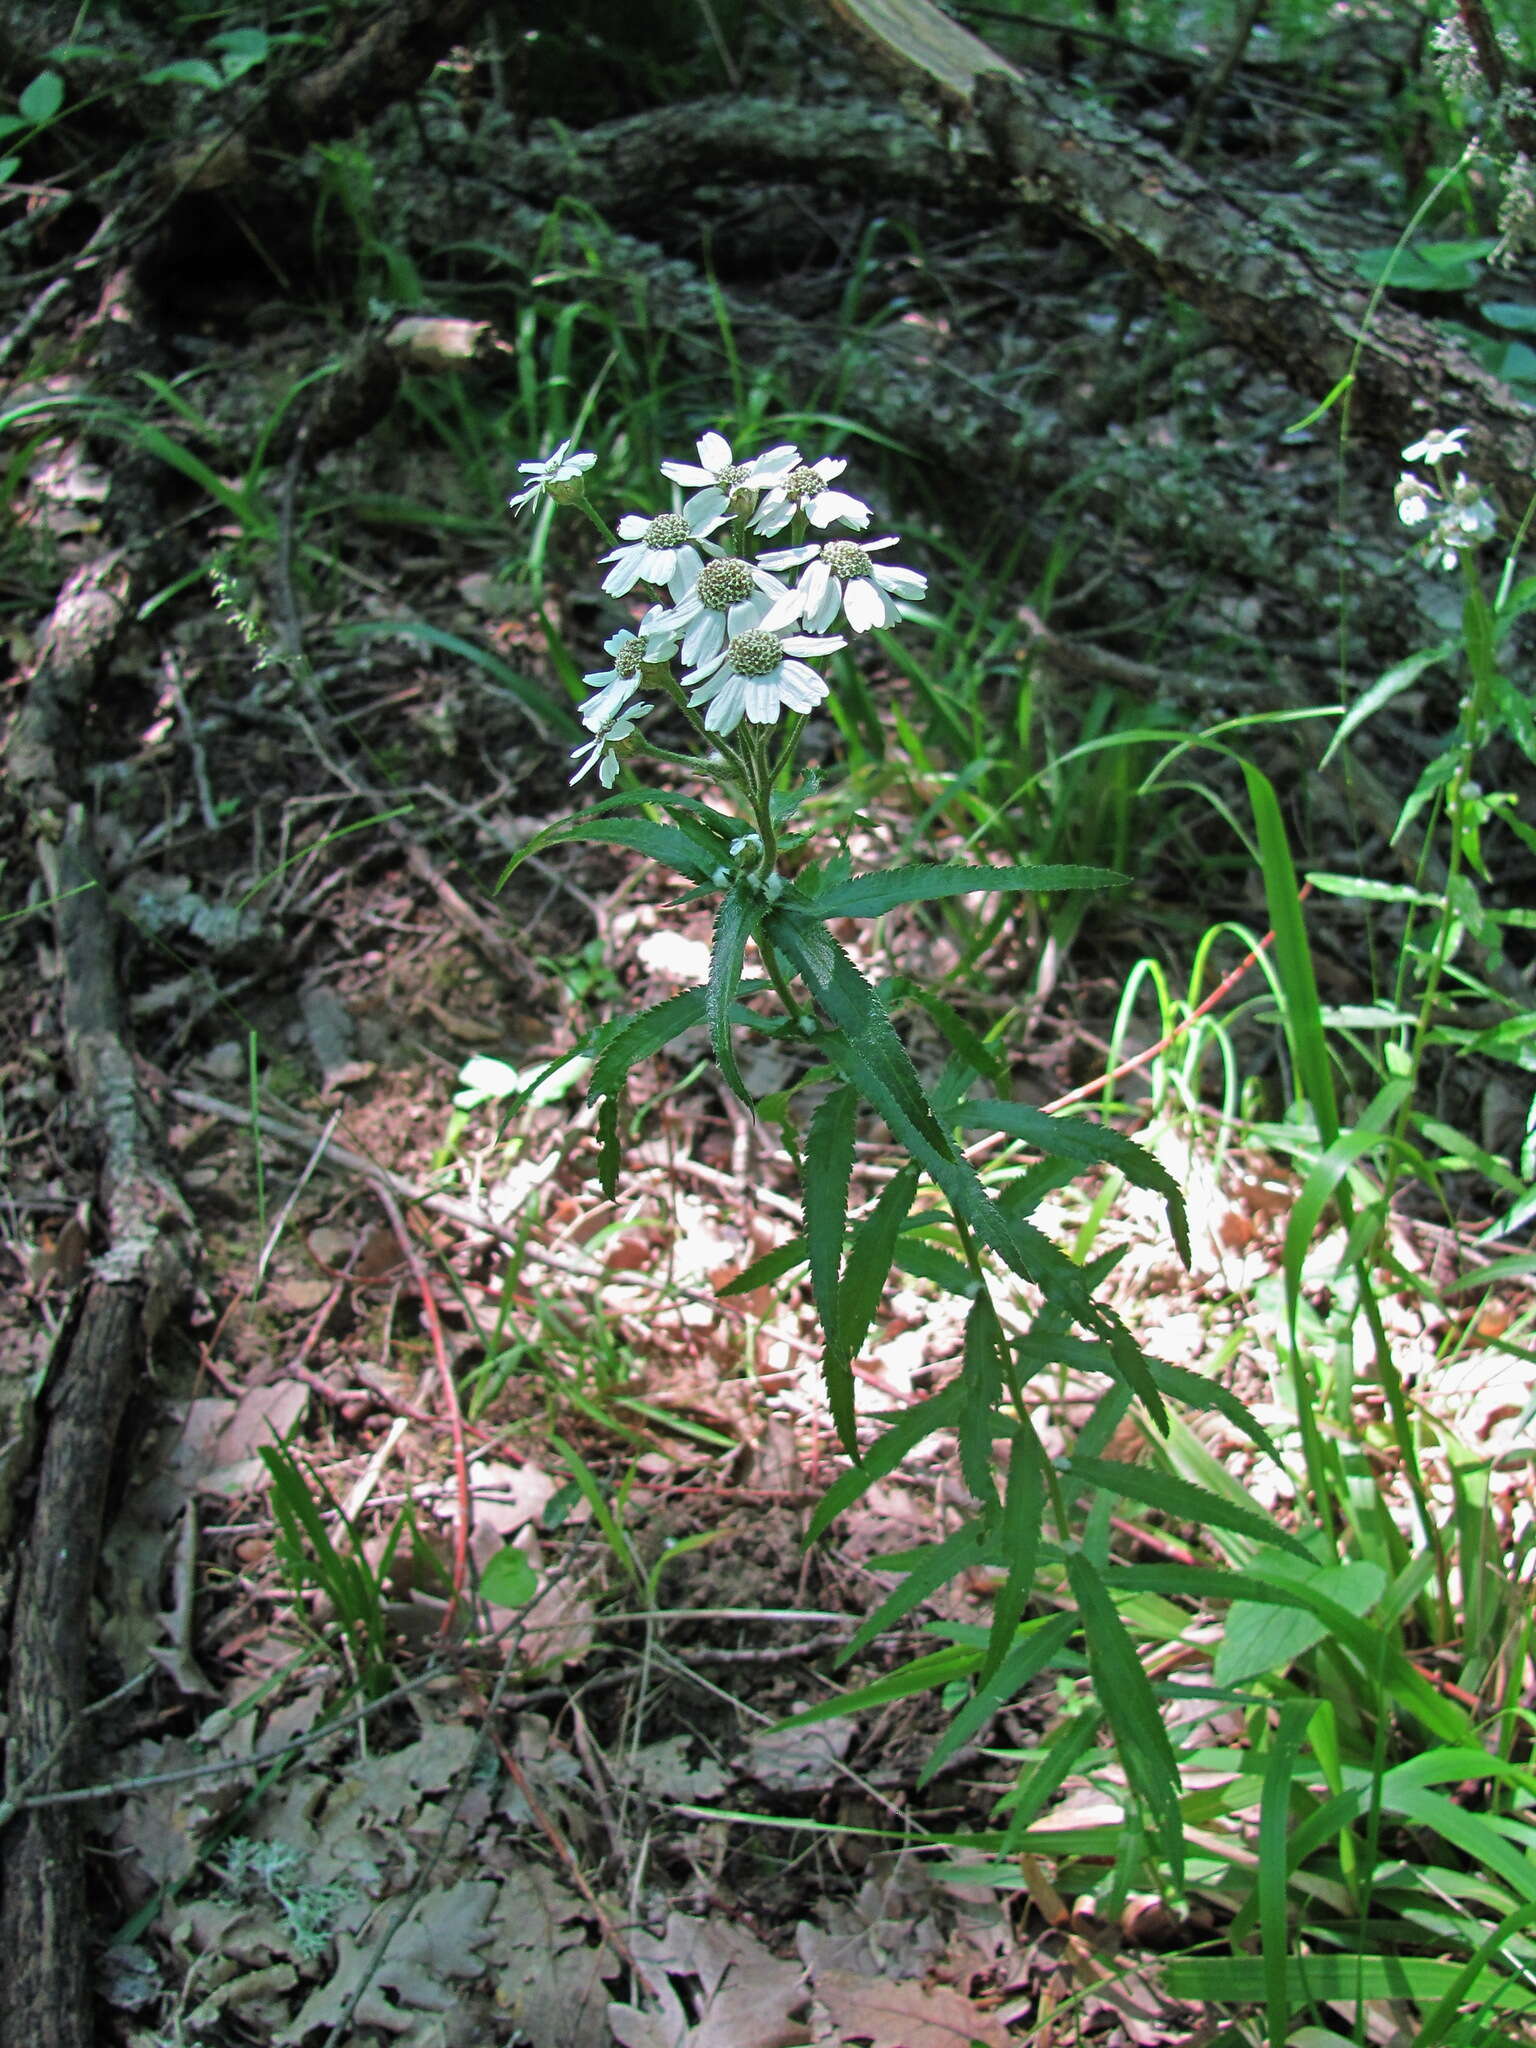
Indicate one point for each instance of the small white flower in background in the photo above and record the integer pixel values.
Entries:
(1415, 500)
(558, 475)
(662, 551)
(597, 752)
(729, 596)
(650, 641)
(839, 576)
(1435, 446)
(1460, 520)
(1469, 511)
(807, 488)
(718, 477)
(758, 676)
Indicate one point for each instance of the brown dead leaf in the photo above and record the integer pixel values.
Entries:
(743, 1995)
(911, 2015)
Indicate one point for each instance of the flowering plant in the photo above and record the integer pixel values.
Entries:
(736, 652)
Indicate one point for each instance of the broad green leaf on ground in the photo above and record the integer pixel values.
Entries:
(1261, 1637)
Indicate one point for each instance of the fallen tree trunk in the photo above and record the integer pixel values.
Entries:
(101, 1351)
(1265, 280)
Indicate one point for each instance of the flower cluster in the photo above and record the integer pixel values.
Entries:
(745, 625)
(1453, 516)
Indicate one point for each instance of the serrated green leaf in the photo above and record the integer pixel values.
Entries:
(1084, 1143)
(1071, 1742)
(960, 1038)
(1123, 1690)
(1019, 1528)
(926, 1569)
(643, 1036)
(771, 1266)
(902, 1433)
(1043, 1640)
(871, 1250)
(869, 1053)
(1186, 1502)
(669, 844)
(931, 1262)
(737, 922)
(828, 1170)
(871, 895)
(982, 1376)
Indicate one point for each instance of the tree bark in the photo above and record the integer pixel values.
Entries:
(1268, 280)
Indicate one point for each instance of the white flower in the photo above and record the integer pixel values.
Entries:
(1435, 446)
(559, 475)
(805, 489)
(597, 752)
(728, 597)
(630, 650)
(1463, 520)
(661, 551)
(839, 576)
(722, 476)
(758, 676)
(1469, 511)
(1415, 501)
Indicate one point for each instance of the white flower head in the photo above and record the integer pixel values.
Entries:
(1469, 511)
(728, 596)
(807, 489)
(1435, 446)
(759, 675)
(598, 753)
(662, 551)
(631, 650)
(1451, 522)
(722, 483)
(840, 577)
(558, 476)
(1416, 501)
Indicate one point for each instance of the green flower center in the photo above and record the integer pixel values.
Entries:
(845, 560)
(724, 582)
(628, 660)
(803, 483)
(756, 653)
(671, 530)
(733, 477)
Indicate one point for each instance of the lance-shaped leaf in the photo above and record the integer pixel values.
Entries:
(873, 894)
(740, 915)
(1019, 1529)
(1123, 1689)
(869, 1053)
(638, 1039)
(927, 1568)
(983, 1379)
(871, 1250)
(906, 1429)
(828, 1169)
(1085, 1144)
(1044, 1640)
(1071, 1742)
(695, 853)
(1186, 1502)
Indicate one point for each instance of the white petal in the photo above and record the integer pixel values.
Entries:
(785, 612)
(714, 451)
(830, 466)
(625, 573)
(705, 638)
(789, 558)
(634, 526)
(705, 509)
(829, 505)
(864, 605)
(686, 473)
(805, 643)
